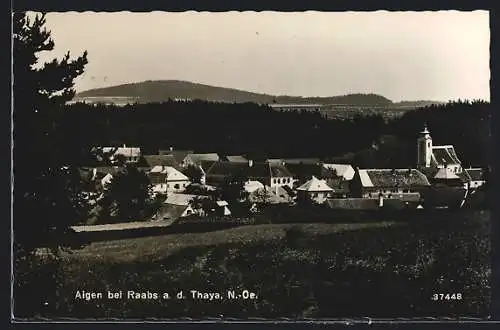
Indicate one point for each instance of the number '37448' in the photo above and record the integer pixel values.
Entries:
(446, 296)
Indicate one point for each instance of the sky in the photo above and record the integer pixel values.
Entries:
(437, 56)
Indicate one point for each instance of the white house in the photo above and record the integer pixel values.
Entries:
(166, 179)
(476, 177)
(315, 190)
(388, 183)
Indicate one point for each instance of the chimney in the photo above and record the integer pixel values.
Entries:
(171, 148)
(124, 145)
(250, 163)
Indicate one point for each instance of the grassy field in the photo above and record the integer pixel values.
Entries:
(378, 269)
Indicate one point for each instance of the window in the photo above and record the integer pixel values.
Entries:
(176, 186)
(274, 181)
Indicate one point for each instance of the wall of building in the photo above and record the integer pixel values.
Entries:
(281, 181)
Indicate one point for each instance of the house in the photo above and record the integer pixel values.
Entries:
(166, 179)
(477, 177)
(315, 190)
(266, 173)
(197, 159)
(388, 183)
(128, 154)
(236, 159)
(177, 206)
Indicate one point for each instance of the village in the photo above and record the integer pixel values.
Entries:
(187, 181)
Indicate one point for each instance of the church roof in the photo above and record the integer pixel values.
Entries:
(444, 155)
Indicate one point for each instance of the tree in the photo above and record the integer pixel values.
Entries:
(47, 194)
(194, 173)
(46, 190)
(130, 193)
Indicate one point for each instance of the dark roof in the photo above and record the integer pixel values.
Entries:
(179, 155)
(307, 170)
(287, 161)
(171, 211)
(206, 164)
(279, 170)
(225, 169)
(159, 160)
(338, 185)
(444, 155)
(476, 174)
(397, 177)
(236, 159)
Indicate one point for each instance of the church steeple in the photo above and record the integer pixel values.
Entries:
(424, 148)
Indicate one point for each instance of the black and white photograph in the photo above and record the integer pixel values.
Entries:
(251, 165)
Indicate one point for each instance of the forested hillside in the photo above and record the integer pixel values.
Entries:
(261, 132)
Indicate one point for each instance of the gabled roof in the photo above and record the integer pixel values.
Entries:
(179, 155)
(172, 211)
(442, 155)
(308, 161)
(257, 171)
(315, 185)
(197, 158)
(392, 178)
(171, 173)
(236, 159)
(160, 160)
(343, 170)
(279, 170)
(338, 185)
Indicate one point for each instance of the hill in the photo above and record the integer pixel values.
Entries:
(162, 90)
(417, 104)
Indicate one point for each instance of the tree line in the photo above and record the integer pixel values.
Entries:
(260, 132)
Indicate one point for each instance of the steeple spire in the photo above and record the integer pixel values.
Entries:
(426, 130)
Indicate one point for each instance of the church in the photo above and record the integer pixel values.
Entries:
(441, 164)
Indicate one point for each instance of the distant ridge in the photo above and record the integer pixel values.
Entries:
(163, 90)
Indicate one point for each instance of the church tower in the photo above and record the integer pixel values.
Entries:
(424, 148)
